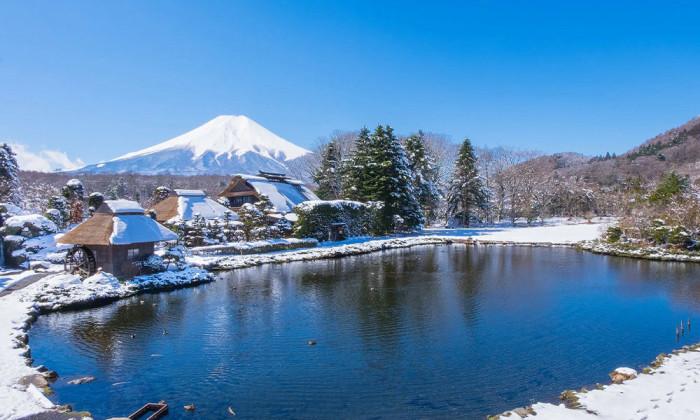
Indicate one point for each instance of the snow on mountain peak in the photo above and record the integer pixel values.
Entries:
(228, 135)
(223, 145)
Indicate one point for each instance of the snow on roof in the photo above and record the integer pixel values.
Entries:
(134, 229)
(283, 195)
(193, 193)
(123, 206)
(189, 205)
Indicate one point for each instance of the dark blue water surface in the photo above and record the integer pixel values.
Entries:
(425, 332)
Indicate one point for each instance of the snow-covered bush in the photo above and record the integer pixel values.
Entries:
(95, 200)
(61, 217)
(8, 210)
(29, 226)
(27, 237)
(55, 216)
(316, 217)
(154, 264)
(660, 233)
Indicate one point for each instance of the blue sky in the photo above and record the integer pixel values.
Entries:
(98, 79)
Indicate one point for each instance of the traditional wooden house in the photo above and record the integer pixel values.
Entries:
(118, 238)
(183, 205)
(283, 191)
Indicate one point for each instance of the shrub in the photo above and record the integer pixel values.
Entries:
(613, 234)
(316, 217)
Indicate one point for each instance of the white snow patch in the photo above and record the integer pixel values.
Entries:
(283, 195)
(134, 229)
(190, 204)
(124, 206)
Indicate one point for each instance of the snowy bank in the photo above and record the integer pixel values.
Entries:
(243, 261)
(255, 247)
(554, 233)
(667, 390)
(18, 397)
(656, 253)
(548, 235)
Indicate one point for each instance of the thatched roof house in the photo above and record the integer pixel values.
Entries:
(283, 191)
(182, 205)
(117, 238)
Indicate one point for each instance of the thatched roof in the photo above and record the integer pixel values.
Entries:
(184, 204)
(166, 209)
(283, 192)
(118, 222)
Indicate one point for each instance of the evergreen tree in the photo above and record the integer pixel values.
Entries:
(9, 176)
(95, 200)
(389, 180)
(160, 194)
(426, 174)
(58, 211)
(328, 174)
(252, 218)
(74, 193)
(117, 189)
(466, 192)
(356, 170)
(73, 190)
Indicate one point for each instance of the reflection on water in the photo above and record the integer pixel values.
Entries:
(431, 332)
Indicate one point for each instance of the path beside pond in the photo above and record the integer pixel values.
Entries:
(667, 392)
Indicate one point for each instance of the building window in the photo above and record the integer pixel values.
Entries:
(132, 254)
(240, 200)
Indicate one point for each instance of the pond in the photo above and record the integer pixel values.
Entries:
(424, 332)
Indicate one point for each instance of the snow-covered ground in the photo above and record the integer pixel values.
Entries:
(667, 392)
(555, 231)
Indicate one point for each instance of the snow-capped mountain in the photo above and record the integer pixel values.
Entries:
(225, 145)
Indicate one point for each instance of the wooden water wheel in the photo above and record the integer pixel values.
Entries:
(81, 261)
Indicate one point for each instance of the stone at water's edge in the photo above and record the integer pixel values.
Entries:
(622, 374)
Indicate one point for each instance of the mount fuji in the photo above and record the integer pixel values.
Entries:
(226, 145)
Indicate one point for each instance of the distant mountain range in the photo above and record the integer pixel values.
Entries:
(677, 150)
(226, 145)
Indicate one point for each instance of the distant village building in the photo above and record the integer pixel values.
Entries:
(283, 191)
(118, 238)
(183, 205)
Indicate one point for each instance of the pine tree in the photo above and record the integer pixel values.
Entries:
(58, 211)
(356, 170)
(328, 174)
(95, 200)
(426, 174)
(74, 193)
(466, 192)
(73, 190)
(160, 194)
(252, 218)
(117, 189)
(9, 176)
(389, 180)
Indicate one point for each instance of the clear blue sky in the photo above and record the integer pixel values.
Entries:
(98, 79)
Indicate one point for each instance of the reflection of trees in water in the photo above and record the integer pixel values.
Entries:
(107, 330)
(469, 266)
(681, 281)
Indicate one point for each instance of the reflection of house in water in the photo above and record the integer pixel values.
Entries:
(283, 191)
(117, 238)
(182, 205)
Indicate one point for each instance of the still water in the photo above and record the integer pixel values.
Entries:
(449, 331)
